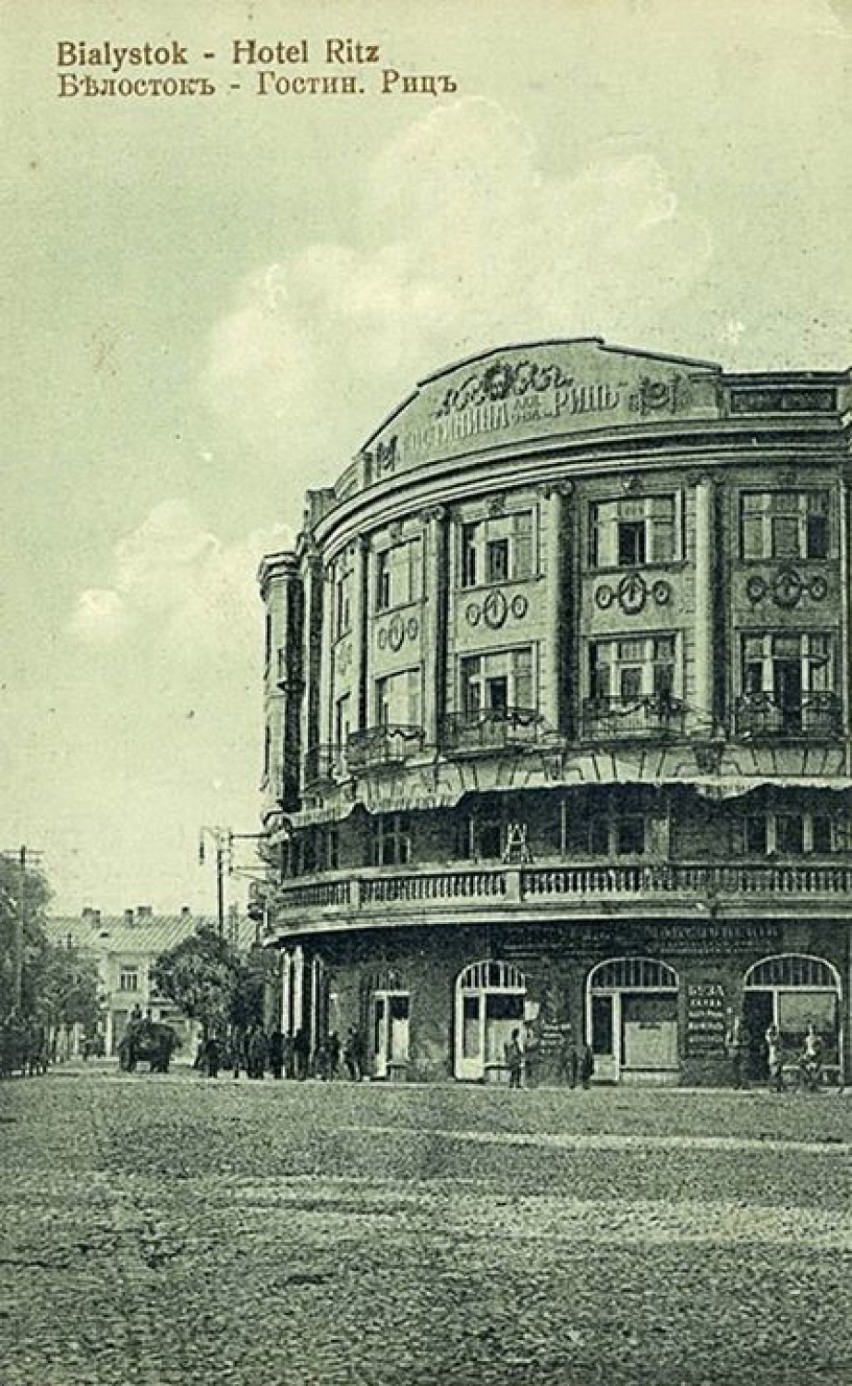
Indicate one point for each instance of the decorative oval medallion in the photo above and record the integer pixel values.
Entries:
(662, 592)
(604, 596)
(382, 638)
(787, 588)
(495, 609)
(756, 588)
(396, 633)
(412, 628)
(520, 606)
(472, 614)
(632, 593)
(818, 588)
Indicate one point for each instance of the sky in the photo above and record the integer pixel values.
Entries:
(210, 302)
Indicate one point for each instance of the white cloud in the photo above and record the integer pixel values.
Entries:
(177, 586)
(480, 245)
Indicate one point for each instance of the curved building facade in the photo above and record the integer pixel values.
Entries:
(558, 723)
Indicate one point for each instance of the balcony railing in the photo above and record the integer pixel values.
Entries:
(767, 715)
(392, 743)
(491, 729)
(640, 887)
(652, 714)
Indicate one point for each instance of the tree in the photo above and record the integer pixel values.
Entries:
(24, 897)
(69, 989)
(202, 975)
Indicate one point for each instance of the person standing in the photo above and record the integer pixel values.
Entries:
(775, 1059)
(301, 1054)
(735, 1047)
(586, 1066)
(514, 1055)
(276, 1053)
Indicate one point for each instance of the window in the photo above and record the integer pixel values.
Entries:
(625, 670)
(128, 978)
(398, 701)
(630, 532)
(391, 839)
(788, 665)
(617, 835)
(784, 524)
(343, 579)
(268, 641)
(399, 575)
(497, 682)
(499, 549)
(769, 833)
(342, 719)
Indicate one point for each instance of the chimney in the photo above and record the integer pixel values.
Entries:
(144, 911)
(90, 915)
(128, 917)
(185, 912)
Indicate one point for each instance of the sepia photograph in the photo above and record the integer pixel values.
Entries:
(426, 693)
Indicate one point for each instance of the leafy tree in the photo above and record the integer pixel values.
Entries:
(202, 975)
(36, 949)
(69, 988)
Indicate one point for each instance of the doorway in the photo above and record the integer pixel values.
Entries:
(631, 1020)
(490, 998)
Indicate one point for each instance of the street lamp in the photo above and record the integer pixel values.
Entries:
(223, 841)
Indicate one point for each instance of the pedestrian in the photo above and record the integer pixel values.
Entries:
(735, 1048)
(568, 1060)
(333, 1054)
(775, 1059)
(276, 1053)
(351, 1055)
(301, 1054)
(586, 1066)
(211, 1057)
(256, 1053)
(811, 1060)
(514, 1056)
(289, 1057)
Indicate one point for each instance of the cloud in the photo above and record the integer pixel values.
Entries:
(477, 244)
(177, 586)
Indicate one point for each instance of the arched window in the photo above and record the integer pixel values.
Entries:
(492, 975)
(791, 970)
(633, 974)
(490, 1003)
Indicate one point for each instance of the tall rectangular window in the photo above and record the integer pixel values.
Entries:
(343, 579)
(398, 575)
(785, 524)
(398, 699)
(497, 682)
(632, 531)
(644, 666)
(391, 839)
(499, 549)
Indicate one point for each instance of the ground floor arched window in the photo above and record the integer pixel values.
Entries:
(386, 1008)
(489, 1005)
(791, 991)
(631, 1020)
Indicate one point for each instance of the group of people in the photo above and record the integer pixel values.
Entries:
(809, 1060)
(284, 1056)
(575, 1065)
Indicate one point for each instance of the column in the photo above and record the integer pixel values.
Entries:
(286, 992)
(702, 698)
(313, 649)
(325, 662)
(552, 558)
(435, 616)
(360, 633)
(298, 984)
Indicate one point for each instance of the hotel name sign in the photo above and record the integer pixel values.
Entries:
(525, 394)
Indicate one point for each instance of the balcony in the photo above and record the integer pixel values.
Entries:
(392, 743)
(651, 714)
(491, 729)
(765, 715)
(453, 895)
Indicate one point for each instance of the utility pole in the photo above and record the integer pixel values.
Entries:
(223, 839)
(18, 947)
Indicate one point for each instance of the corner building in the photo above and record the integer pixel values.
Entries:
(557, 702)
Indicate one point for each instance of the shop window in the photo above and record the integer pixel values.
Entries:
(499, 549)
(785, 524)
(632, 531)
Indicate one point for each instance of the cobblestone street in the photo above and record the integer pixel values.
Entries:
(163, 1231)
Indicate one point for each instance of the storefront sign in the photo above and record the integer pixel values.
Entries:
(705, 1019)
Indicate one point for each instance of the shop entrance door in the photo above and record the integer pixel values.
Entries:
(489, 1005)
(390, 1031)
(631, 1020)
